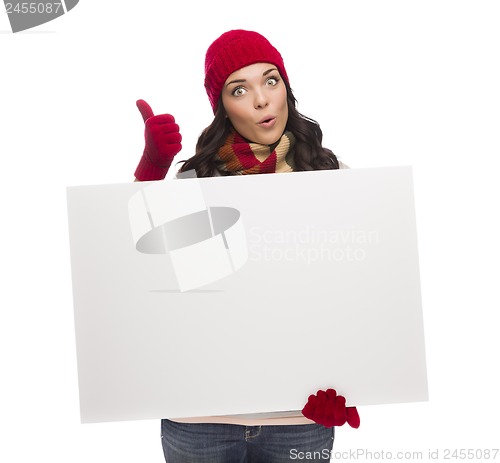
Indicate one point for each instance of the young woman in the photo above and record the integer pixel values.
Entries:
(256, 129)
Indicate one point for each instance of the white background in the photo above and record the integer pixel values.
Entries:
(391, 83)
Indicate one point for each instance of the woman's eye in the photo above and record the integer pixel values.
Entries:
(239, 91)
(272, 81)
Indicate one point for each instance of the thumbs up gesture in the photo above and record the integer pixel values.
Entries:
(162, 143)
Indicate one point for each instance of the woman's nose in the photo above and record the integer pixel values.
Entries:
(260, 100)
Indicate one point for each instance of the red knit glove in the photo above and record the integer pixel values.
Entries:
(163, 142)
(328, 408)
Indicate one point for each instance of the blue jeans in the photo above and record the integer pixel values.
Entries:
(229, 443)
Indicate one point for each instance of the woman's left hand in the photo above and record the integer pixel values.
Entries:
(328, 408)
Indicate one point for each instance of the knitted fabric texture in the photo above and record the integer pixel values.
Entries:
(239, 157)
(234, 50)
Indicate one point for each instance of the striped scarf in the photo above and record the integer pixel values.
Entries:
(239, 157)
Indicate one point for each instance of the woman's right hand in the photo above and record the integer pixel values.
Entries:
(162, 143)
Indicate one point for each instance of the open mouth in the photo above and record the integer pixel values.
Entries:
(267, 122)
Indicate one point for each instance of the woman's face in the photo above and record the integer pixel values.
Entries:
(254, 98)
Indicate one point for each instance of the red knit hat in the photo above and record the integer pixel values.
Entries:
(234, 50)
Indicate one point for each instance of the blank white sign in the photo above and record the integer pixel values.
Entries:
(314, 284)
